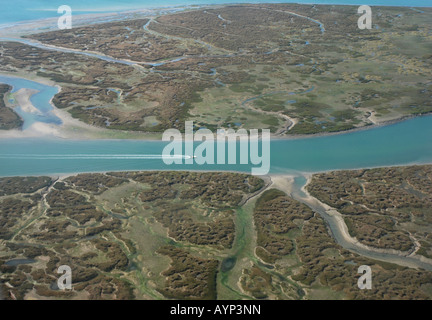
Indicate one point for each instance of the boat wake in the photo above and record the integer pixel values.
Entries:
(92, 156)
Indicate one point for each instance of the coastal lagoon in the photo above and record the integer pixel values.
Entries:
(40, 100)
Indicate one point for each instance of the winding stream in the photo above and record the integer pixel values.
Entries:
(40, 45)
(339, 231)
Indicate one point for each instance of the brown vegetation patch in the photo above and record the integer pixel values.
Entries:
(381, 206)
(189, 277)
(274, 217)
(8, 118)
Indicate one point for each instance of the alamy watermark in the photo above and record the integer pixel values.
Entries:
(365, 281)
(65, 21)
(65, 281)
(223, 147)
(365, 21)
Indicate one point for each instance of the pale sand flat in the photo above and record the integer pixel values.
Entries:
(23, 96)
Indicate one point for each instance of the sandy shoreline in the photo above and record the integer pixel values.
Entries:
(378, 124)
(23, 98)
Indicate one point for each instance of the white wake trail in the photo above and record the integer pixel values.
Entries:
(92, 156)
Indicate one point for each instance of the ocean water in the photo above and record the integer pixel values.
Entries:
(24, 10)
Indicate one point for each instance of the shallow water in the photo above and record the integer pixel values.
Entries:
(40, 100)
(24, 10)
(17, 262)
